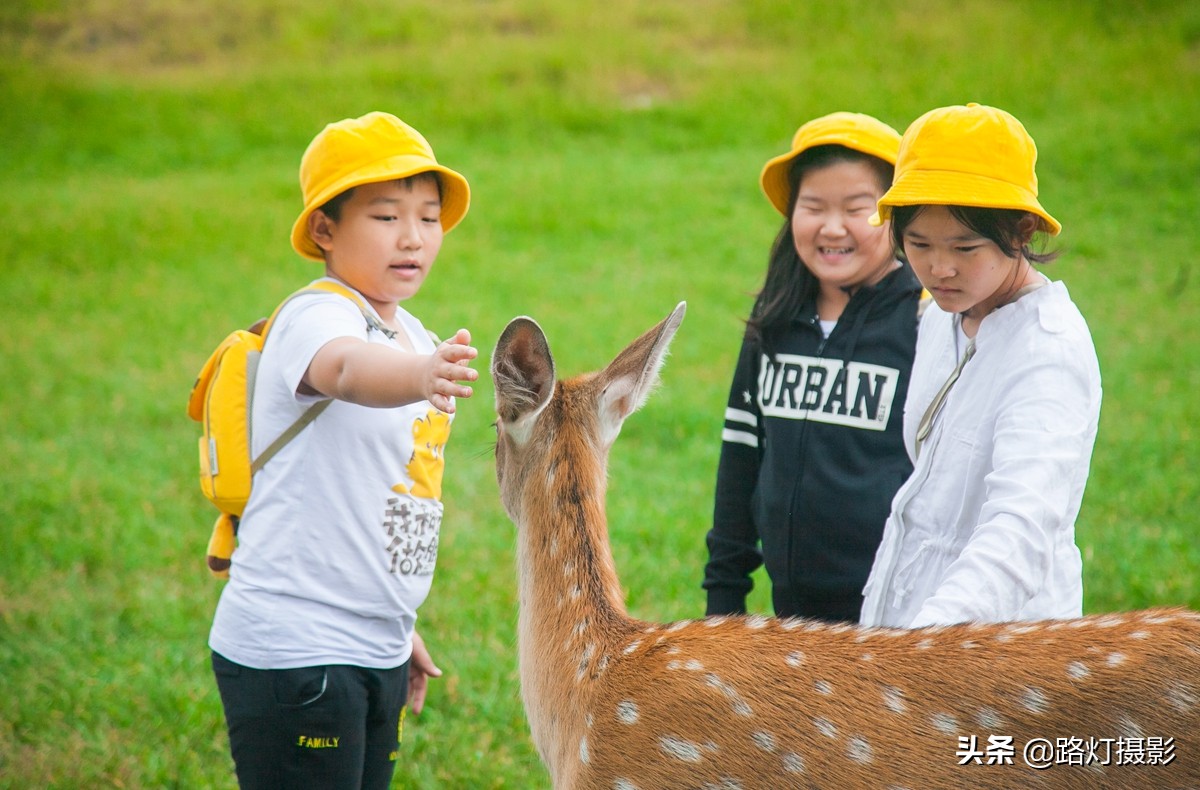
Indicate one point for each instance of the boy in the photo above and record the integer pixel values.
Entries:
(314, 643)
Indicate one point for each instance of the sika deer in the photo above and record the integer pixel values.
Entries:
(742, 702)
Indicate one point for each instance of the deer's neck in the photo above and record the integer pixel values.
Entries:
(572, 612)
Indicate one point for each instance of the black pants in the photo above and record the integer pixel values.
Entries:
(832, 607)
(335, 727)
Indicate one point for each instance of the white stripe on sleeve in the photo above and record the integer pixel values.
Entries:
(744, 417)
(740, 437)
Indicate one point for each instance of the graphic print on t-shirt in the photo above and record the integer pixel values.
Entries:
(413, 518)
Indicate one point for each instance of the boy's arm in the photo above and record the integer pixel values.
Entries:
(371, 374)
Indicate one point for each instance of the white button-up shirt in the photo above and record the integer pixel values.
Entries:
(984, 529)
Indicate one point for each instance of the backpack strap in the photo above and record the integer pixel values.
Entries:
(310, 414)
(314, 411)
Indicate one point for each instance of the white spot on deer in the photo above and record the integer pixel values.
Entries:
(568, 568)
(756, 621)
(989, 719)
(627, 712)
(554, 546)
(1034, 700)
(679, 626)
(581, 626)
(859, 750)
(713, 622)
(634, 645)
(825, 727)
(893, 700)
(693, 665)
(1076, 670)
(866, 657)
(791, 624)
(650, 629)
(576, 591)
(1108, 621)
(674, 664)
(623, 784)
(795, 659)
(970, 644)
(736, 702)
(1181, 697)
(944, 723)
(583, 750)
(680, 749)
(793, 763)
(924, 644)
(1116, 659)
(764, 741)
(1128, 728)
(1161, 619)
(1003, 637)
(823, 687)
(584, 660)
(726, 783)
(1139, 635)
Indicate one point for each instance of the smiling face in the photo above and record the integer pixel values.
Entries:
(830, 228)
(965, 272)
(384, 240)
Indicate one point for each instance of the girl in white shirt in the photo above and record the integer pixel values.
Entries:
(1004, 399)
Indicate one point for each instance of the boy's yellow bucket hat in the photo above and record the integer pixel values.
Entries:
(850, 129)
(357, 151)
(970, 155)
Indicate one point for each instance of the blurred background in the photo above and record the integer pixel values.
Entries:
(148, 181)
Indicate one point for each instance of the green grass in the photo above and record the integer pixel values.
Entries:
(147, 186)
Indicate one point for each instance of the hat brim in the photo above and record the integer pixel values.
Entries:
(456, 195)
(951, 188)
(774, 177)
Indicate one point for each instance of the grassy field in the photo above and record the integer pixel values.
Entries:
(148, 157)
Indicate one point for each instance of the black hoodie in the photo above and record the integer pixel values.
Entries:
(812, 454)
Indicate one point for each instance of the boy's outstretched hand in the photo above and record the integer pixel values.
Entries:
(448, 365)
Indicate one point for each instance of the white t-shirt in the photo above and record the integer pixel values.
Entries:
(337, 545)
(984, 528)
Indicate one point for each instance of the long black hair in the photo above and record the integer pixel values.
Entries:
(789, 284)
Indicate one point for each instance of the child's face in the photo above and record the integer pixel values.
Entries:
(387, 238)
(830, 228)
(965, 272)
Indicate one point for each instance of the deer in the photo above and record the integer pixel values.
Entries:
(614, 702)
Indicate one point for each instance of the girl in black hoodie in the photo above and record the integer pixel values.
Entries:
(812, 451)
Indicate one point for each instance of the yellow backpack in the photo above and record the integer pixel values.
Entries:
(222, 401)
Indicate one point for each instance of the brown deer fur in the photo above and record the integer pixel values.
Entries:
(756, 702)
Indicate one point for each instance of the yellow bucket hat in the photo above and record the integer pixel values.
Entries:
(357, 151)
(970, 155)
(850, 129)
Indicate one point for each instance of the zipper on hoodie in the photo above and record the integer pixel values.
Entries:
(858, 317)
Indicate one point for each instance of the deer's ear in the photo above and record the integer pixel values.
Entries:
(630, 378)
(522, 370)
